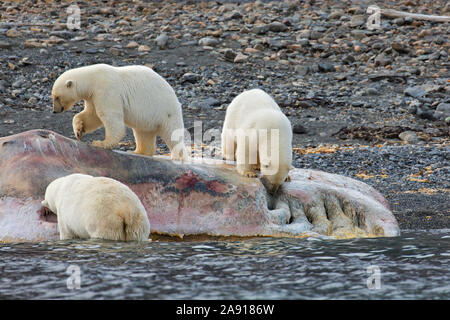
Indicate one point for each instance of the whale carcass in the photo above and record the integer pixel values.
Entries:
(185, 198)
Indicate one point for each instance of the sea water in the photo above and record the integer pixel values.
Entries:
(412, 266)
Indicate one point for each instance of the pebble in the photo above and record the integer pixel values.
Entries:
(143, 48)
(132, 45)
(13, 33)
(240, 57)
(409, 137)
(298, 129)
(5, 44)
(326, 67)
(208, 41)
(190, 77)
(442, 111)
(229, 55)
(277, 27)
(358, 20)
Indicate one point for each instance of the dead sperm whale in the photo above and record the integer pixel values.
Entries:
(190, 198)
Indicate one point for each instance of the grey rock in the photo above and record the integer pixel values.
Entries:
(420, 91)
(442, 111)
(357, 104)
(326, 67)
(315, 35)
(424, 113)
(302, 70)
(229, 55)
(382, 60)
(444, 107)
(358, 20)
(348, 59)
(190, 77)
(371, 92)
(277, 27)
(260, 29)
(399, 21)
(400, 47)
(409, 137)
(276, 44)
(233, 15)
(205, 103)
(92, 50)
(208, 41)
(298, 129)
(5, 44)
(303, 42)
(336, 14)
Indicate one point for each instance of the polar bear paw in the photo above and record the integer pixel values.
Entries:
(103, 144)
(78, 128)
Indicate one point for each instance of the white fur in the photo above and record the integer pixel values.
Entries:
(100, 207)
(115, 97)
(255, 110)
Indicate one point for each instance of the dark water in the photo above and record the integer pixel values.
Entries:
(413, 266)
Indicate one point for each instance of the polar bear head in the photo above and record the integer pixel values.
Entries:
(275, 173)
(64, 92)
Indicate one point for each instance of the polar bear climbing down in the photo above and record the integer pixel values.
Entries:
(96, 207)
(116, 97)
(255, 134)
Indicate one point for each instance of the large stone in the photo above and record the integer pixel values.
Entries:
(208, 41)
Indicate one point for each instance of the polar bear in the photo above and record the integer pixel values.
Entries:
(115, 97)
(256, 133)
(96, 207)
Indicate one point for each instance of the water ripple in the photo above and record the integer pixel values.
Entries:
(414, 266)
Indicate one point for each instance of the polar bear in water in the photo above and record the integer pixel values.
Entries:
(96, 207)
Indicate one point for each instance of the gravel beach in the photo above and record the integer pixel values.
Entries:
(369, 104)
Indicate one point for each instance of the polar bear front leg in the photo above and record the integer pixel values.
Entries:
(242, 166)
(114, 131)
(228, 145)
(85, 122)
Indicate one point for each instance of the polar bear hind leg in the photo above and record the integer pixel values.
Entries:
(145, 142)
(177, 148)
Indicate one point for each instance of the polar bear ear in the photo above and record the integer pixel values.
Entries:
(69, 83)
(44, 203)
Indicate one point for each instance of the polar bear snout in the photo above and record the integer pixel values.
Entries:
(57, 106)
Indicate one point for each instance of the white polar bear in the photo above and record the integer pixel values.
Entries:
(96, 207)
(115, 97)
(256, 133)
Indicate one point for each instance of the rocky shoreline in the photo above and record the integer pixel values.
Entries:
(369, 104)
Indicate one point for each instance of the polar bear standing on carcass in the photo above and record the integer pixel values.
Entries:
(256, 133)
(119, 97)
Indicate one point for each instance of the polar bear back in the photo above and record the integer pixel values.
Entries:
(146, 99)
(248, 106)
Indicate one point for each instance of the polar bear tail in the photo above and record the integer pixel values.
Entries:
(136, 227)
